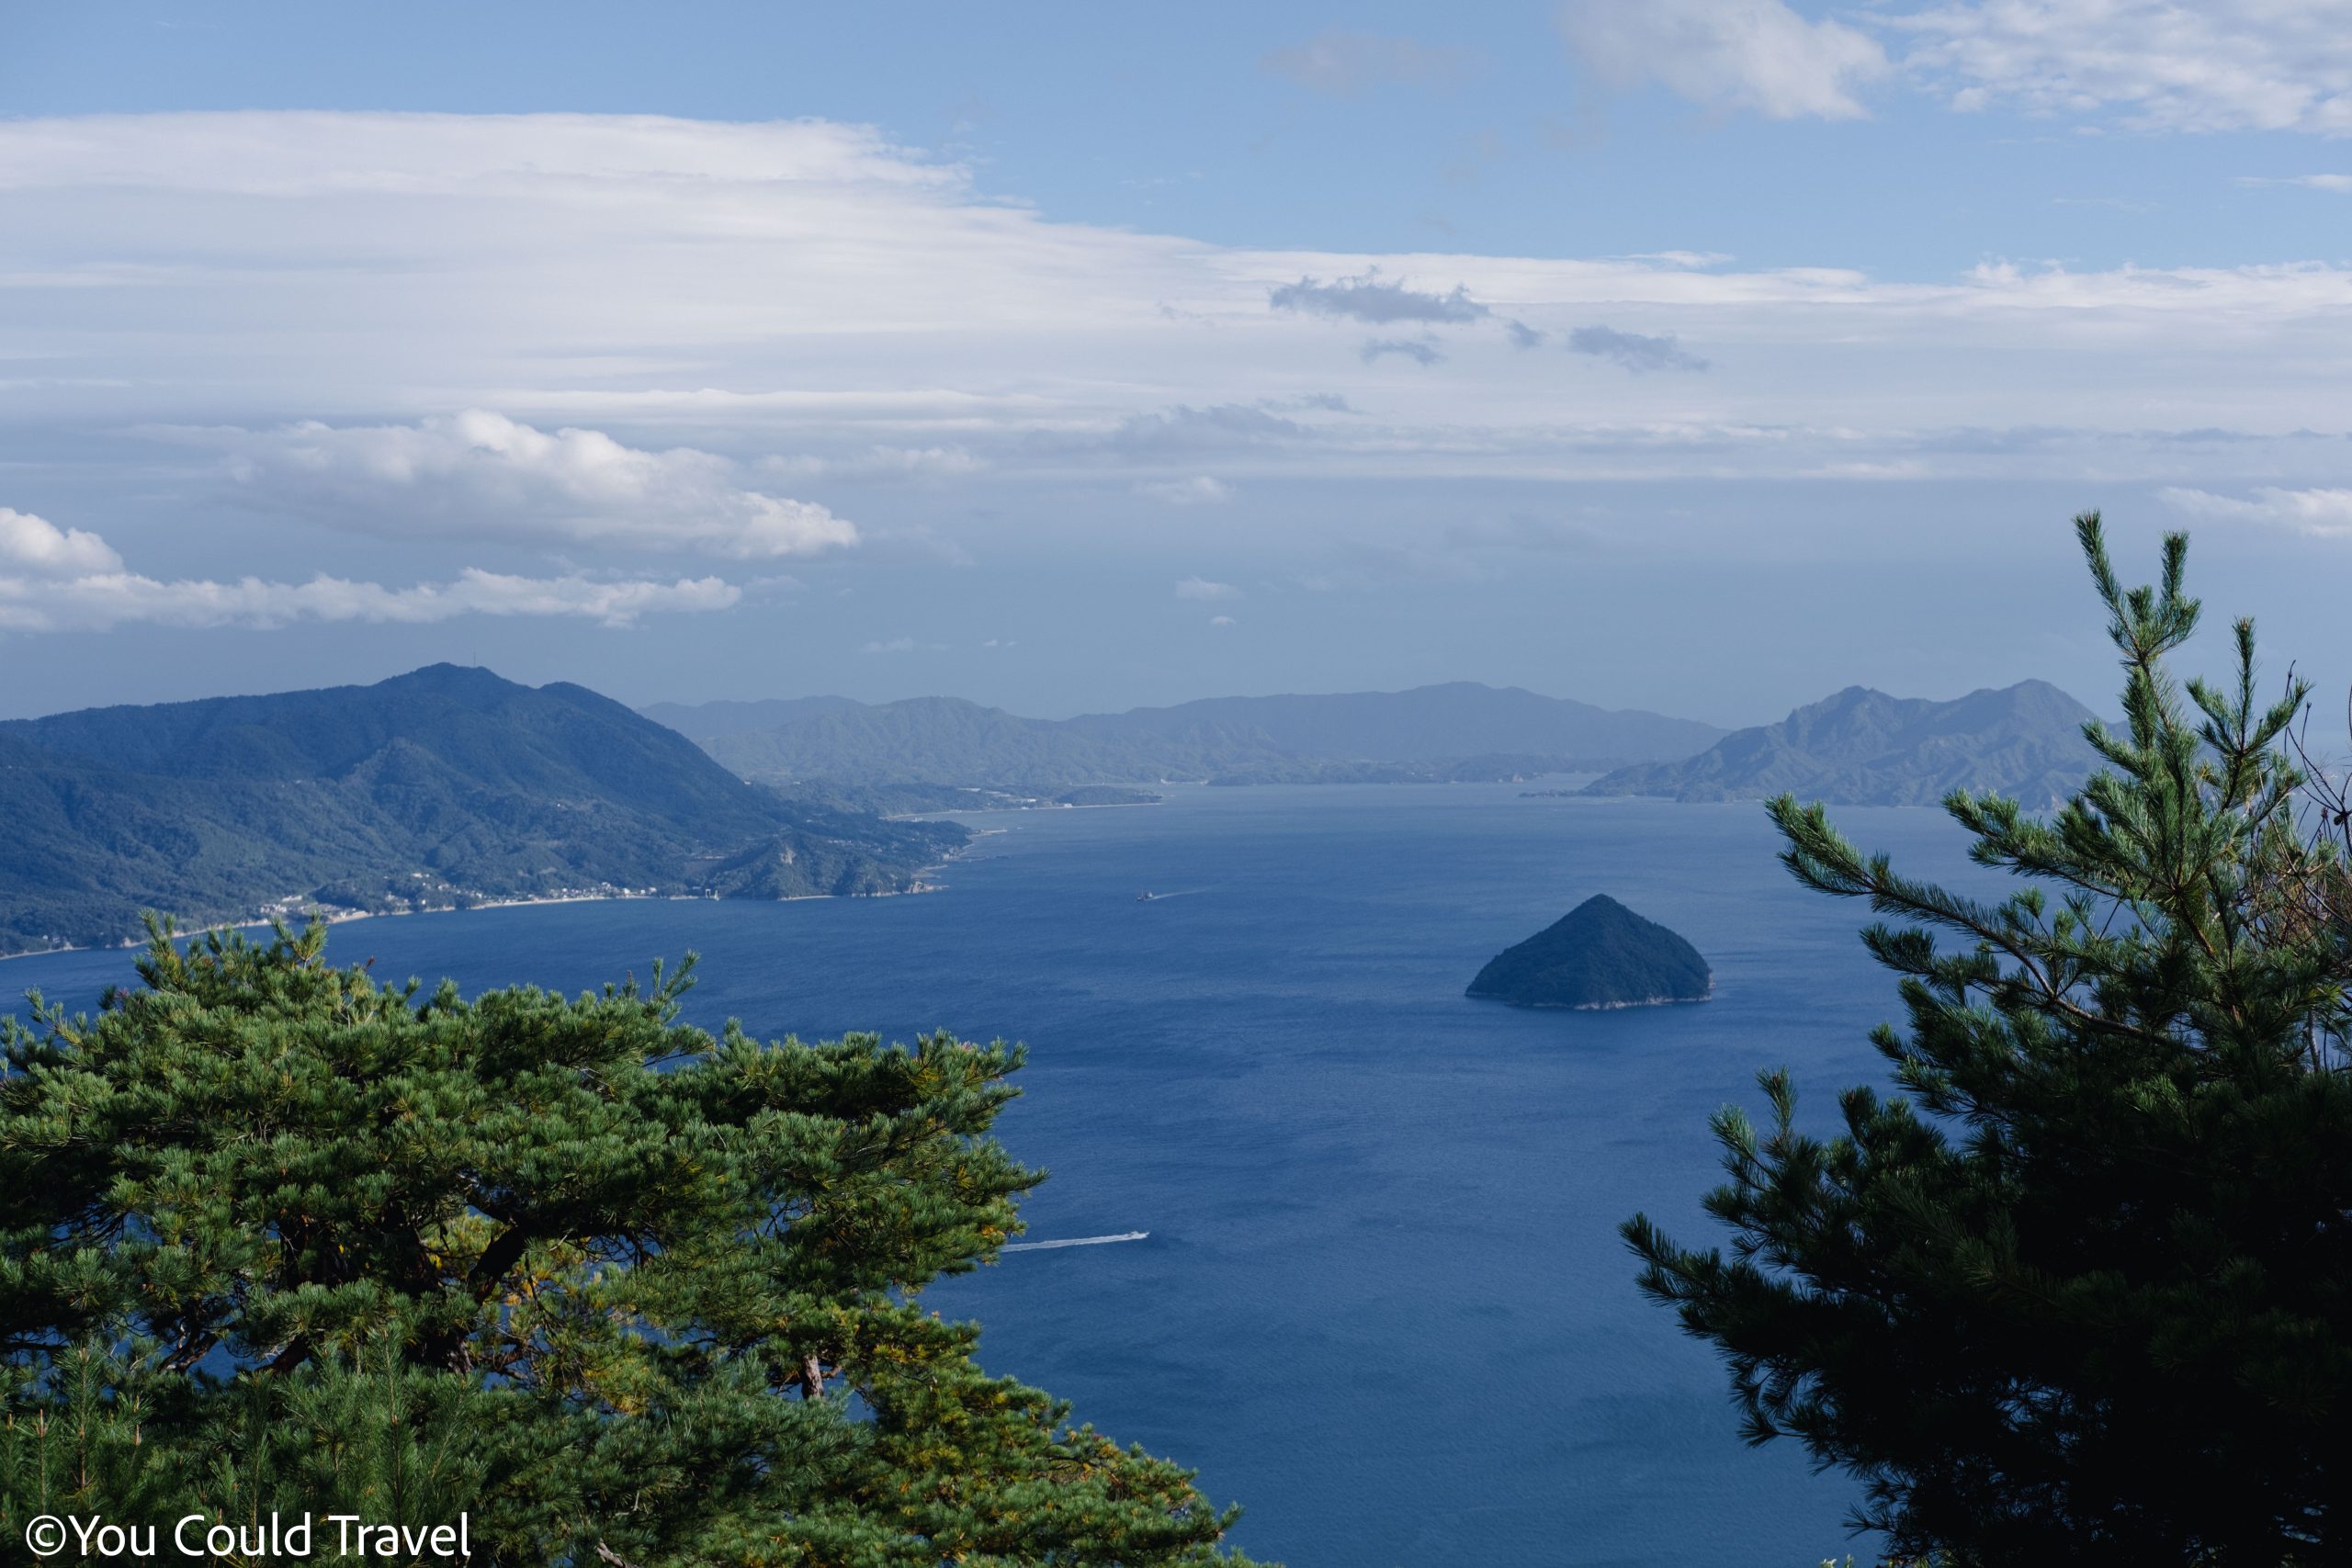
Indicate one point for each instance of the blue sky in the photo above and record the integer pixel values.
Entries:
(1697, 355)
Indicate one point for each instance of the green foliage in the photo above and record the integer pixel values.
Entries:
(2084, 1292)
(274, 1236)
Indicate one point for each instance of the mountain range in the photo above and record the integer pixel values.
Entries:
(1863, 748)
(447, 786)
(440, 787)
(1457, 729)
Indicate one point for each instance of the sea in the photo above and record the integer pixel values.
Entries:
(1378, 1297)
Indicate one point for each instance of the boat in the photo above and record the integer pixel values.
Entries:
(1147, 897)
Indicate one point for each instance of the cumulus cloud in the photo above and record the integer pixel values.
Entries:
(1202, 588)
(39, 547)
(1754, 55)
(1635, 352)
(1344, 63)
(1419, 350)
(1201, 489)
(2164, 64)
(1523, 335)
(68, 579)
(2322, 513)
(1372, 299)
(479, 475)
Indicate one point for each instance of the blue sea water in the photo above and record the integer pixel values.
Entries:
(1383, 1303)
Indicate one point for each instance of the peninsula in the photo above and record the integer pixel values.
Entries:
(1601, 954)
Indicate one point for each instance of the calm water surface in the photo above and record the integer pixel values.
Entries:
(1383, 1303)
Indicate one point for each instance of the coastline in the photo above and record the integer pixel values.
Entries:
(1592, 1007)
(344, 917)
(1011, 811)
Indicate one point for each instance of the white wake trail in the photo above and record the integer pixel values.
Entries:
(1074, 1241)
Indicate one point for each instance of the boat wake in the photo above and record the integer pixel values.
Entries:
(1073, 1241)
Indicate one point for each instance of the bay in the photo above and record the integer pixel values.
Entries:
(1381, 1300)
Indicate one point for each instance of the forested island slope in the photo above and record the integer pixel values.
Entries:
(1863, 748)
(1600, 955)
(441, 787)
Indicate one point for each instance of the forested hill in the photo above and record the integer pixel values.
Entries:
(1864, 748)
(447, 786)
(1430, 731)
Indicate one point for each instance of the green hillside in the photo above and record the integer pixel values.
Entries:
(1864, 748)
(1600, 955)
(441, 787)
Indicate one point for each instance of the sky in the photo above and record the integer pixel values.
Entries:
(1699, 355)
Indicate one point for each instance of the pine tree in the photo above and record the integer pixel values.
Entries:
(2082, 1293)
(275, 1237)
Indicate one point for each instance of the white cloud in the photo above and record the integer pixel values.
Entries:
(279, 153)
(2338, 185)
(2184, 65)
(1202, 588)
(2324, 513)
(55, 578)
(800, 303)
(481, 475)
(1221, 620)
(907, 645)
(1344, 63)
(97, 600)
(35, 545)
(876, 463)
(1756, 55)
(1201, 489)
(2162, 64)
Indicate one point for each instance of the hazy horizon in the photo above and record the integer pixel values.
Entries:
(647, 707)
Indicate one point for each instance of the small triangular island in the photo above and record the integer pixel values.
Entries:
(1600, 955)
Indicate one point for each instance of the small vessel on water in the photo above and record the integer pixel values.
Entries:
(1147, 897)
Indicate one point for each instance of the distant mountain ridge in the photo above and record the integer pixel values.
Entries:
(742, 718)
(447, 786)
(1861, 747)
(1238, 740)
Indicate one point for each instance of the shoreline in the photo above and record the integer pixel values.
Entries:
(1592, 1007)
(933, 815)
(344, 917)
